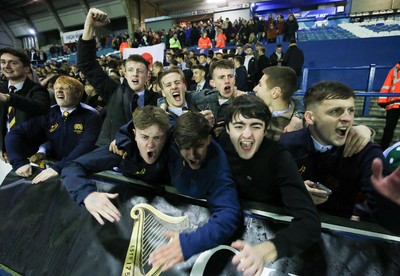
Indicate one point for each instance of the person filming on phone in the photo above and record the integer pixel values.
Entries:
(338, 185)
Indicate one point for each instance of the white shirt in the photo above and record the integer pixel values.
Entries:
(319, 147)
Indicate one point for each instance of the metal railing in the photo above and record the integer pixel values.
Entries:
(367, 93)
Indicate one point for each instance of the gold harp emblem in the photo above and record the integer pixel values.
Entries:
(148, 227)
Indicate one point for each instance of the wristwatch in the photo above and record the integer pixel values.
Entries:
(299, 115)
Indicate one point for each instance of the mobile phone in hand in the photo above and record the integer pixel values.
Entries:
(320, 186)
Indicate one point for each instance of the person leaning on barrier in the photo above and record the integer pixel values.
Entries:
(318, 152)
(69, 130)
(265, 172)
(20, 97)
(276, 88)
(199, 169)
(122, 99)
(145, 160)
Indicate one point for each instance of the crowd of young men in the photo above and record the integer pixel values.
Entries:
(256, 155)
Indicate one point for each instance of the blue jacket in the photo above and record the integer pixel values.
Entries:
(65, 139)
(79, 185)
(213, 182)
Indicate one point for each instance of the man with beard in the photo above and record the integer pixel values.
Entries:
(145, 160)
(122, 99)
(20, 97)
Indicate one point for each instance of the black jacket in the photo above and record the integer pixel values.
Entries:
(117, 96)
(294, 58)
(241, 78)
(30, 101)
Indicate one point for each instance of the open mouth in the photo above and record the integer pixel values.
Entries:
(151, 154)
(60, 96)
(246, 145)
(227, 89)
(135, 81)
(341, 131)
(193, 163)
(177, 96)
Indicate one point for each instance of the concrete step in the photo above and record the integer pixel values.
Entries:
(377, 124)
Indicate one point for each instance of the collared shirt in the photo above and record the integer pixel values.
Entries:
(319, 147)
(280, 112)
(201, 85)
(178, 111)
(69, 111)
(18, 86)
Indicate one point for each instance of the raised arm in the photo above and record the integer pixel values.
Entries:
(94, 19)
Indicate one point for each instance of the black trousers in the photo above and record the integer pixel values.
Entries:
(392, 117)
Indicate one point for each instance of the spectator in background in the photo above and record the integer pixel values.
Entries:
(174, 42)
(240, 74)
(294, 58)
(42, 57)
(94, 100)
(182, 37)
(270, 20)
(391, 104)
(199, 76)
(126, 43)
(244, 32)
(195, 35)
(261, 63)
(276, 57)
(204, 42)
(291, 27)
(33, 56)
(280, 28)
(250, 64)
(260, 27)
(240, 51)
(271, 34)
(180, 58)
(53, 51)
(221, 38)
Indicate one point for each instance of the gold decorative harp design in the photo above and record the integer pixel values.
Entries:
(147, 234)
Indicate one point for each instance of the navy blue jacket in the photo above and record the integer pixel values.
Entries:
(213, 182)
(346, 177)
(66, 139)
(75, 174)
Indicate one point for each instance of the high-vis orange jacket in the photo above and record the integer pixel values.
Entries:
(391, 85)
(204, 43)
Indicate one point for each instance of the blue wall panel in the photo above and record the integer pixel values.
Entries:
(383, 51)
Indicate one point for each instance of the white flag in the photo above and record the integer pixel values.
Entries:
(150, 53)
